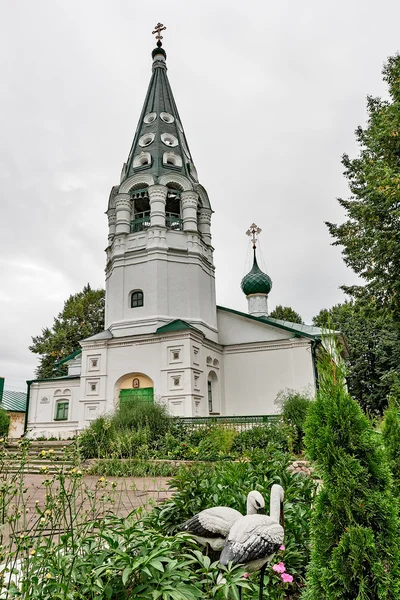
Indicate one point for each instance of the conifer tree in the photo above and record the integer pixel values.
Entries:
(355, 548)
(391, 435)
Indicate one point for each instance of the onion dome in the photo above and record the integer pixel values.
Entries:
(256, 282)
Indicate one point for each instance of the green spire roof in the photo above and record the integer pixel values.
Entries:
(256, 282)
(159, 130)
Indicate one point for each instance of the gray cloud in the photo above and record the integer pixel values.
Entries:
(269, 95)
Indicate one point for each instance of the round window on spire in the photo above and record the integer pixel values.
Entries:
(166, 117)
(169, 139)
(150, 117)
(146, 139)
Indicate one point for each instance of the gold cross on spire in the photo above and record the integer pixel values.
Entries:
(254, 232)
(157, 30)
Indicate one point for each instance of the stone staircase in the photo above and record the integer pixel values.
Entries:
(40, 457)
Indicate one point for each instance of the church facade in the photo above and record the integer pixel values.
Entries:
(165, 338)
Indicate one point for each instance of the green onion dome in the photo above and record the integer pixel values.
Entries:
(256, 282)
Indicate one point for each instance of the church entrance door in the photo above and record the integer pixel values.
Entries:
(130, 396)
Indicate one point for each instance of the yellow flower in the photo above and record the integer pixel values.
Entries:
(102, 479)
(42, 520)
(108, 571)
(48, 576)
(32, 551)
(48, 512)
(1, 439)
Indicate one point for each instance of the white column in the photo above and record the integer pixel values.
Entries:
(158, 199)
(123, 213)
(258, 305)
(205, 225)
(189, 202)
(111, 224)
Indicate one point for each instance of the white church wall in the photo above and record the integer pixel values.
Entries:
(235, 329)
(42, 413)
(253, 379)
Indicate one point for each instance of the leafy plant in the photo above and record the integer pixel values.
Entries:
(294, 408)
(261, 437)
(4, 422)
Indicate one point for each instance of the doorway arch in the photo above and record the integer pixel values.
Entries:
(134, 388)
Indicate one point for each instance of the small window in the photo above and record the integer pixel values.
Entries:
(150, 117)
(210, 398)
(146, 139)
(62, 411)
(169, 139)
(137, 299)
(166, 117)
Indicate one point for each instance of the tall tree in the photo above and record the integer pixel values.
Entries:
(354, 531)
(81, 317)
(371, 234)
(286, 313)
(373, 350)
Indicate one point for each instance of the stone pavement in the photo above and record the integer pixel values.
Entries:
(95, 497)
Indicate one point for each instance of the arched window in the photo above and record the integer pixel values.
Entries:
(137, 299)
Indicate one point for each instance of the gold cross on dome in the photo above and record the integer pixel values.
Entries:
(254, 232)
(157, 29)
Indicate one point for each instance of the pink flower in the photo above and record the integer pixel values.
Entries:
(282, 547)
(279, 568)
(287, 578)
(246, 575)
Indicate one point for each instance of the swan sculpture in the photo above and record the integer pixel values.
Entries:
(211, 526)
(254, 539)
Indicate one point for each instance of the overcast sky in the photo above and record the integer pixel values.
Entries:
(269, 93)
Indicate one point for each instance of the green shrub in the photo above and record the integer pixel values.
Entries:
(261, 437)
(294, 409)
(154, 417)
(129, 443)
(96, 440)
(4, 422)
(217, 441)
(391, 436)
(355, 549)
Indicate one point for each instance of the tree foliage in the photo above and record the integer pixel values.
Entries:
(371, 234)
(354, 530)
(373, 345)
(286, 313)
(391, 434)
(81, 317)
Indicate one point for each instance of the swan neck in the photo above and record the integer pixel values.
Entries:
(275, 504)
(250, 508)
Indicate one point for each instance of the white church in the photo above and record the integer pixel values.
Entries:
(165, 338)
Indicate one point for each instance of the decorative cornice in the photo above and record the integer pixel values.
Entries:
(266, 346)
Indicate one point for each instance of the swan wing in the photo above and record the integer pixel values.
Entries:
(212, 522)
(252, 542)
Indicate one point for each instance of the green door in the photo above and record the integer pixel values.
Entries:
(136, 395)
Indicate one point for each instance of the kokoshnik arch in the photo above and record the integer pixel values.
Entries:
(165, 339)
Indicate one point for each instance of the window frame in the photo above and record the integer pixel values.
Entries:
(62, 405)
(136, 294)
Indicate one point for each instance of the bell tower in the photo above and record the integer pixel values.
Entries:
(159, 256)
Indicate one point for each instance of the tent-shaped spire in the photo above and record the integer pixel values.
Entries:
(159, 144)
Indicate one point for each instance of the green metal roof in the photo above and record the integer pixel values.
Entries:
(69, 357)
(53, 378)
(300, 330)
(13, 401)
(177, 325)
(256, 281)
(159, 99)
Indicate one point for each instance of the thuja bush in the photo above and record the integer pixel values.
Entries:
(391, 436)
(355, 527)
